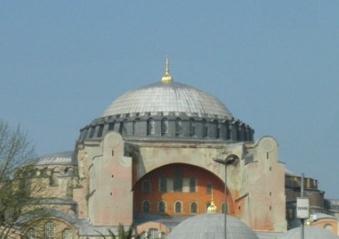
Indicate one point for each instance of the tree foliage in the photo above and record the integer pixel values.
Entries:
(122, 233)
(15, 151)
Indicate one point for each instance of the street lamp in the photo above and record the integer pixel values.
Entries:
(230, 159)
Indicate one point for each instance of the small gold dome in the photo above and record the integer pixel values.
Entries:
(212, 208)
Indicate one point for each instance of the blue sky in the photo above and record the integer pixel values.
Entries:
(273, 63)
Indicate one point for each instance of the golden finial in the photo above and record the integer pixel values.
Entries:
(212, 208)
(167, 78)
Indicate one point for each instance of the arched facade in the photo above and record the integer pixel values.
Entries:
(178, 186)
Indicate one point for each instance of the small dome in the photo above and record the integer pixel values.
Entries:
(310, 233)
(211, 226)
(168, 97)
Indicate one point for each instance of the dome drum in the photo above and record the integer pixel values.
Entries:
(171, 126)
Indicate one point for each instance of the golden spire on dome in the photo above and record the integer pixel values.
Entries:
(212, 208)
(167, 78)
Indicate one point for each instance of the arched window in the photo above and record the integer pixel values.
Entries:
(49, 230)
(92, 130)
(100, 130)
(31, 234)
(164, 127)
(228, 126)
(192, 127)
(217, 129)
(150, 127)
(178, 127)
(133, 127)
(194, 208)
(204, 128)
(162, 207)
(178, 207)
(67, 234)
(111, 126)
(153, 233)
(146, 206)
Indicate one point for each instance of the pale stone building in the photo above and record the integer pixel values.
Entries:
(149, 160)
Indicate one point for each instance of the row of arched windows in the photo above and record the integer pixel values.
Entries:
(232, 130)
(178, 207)
(49, 232)
(162, 207)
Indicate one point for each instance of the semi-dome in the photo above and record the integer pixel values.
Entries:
(211, 226)
(310, 233)
(168, 97)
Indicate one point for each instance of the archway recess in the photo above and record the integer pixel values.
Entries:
(179, 190)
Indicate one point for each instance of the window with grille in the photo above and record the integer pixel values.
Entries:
(31, 234)
(49, 230)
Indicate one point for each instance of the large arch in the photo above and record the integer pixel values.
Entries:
(179, 182)
(150, 157)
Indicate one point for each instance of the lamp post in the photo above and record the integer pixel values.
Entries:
(303, 208)
(230, 159)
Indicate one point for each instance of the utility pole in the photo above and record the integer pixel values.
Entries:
(230, 159)
(302, 219)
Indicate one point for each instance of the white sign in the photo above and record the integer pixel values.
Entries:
(303, 208)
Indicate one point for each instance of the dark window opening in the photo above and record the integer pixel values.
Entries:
(91, 134)
(111, 126)
(204, 129)
(100, 131)
(194, 208)
(162, 184)
(192, 185)
(146, 186)
(178, 207)
(146, 206)
(162, 207)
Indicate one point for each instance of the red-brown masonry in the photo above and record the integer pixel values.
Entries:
(200, 196)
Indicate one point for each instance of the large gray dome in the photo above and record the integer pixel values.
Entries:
(168, 97)
(211, 226)
(310, 233)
